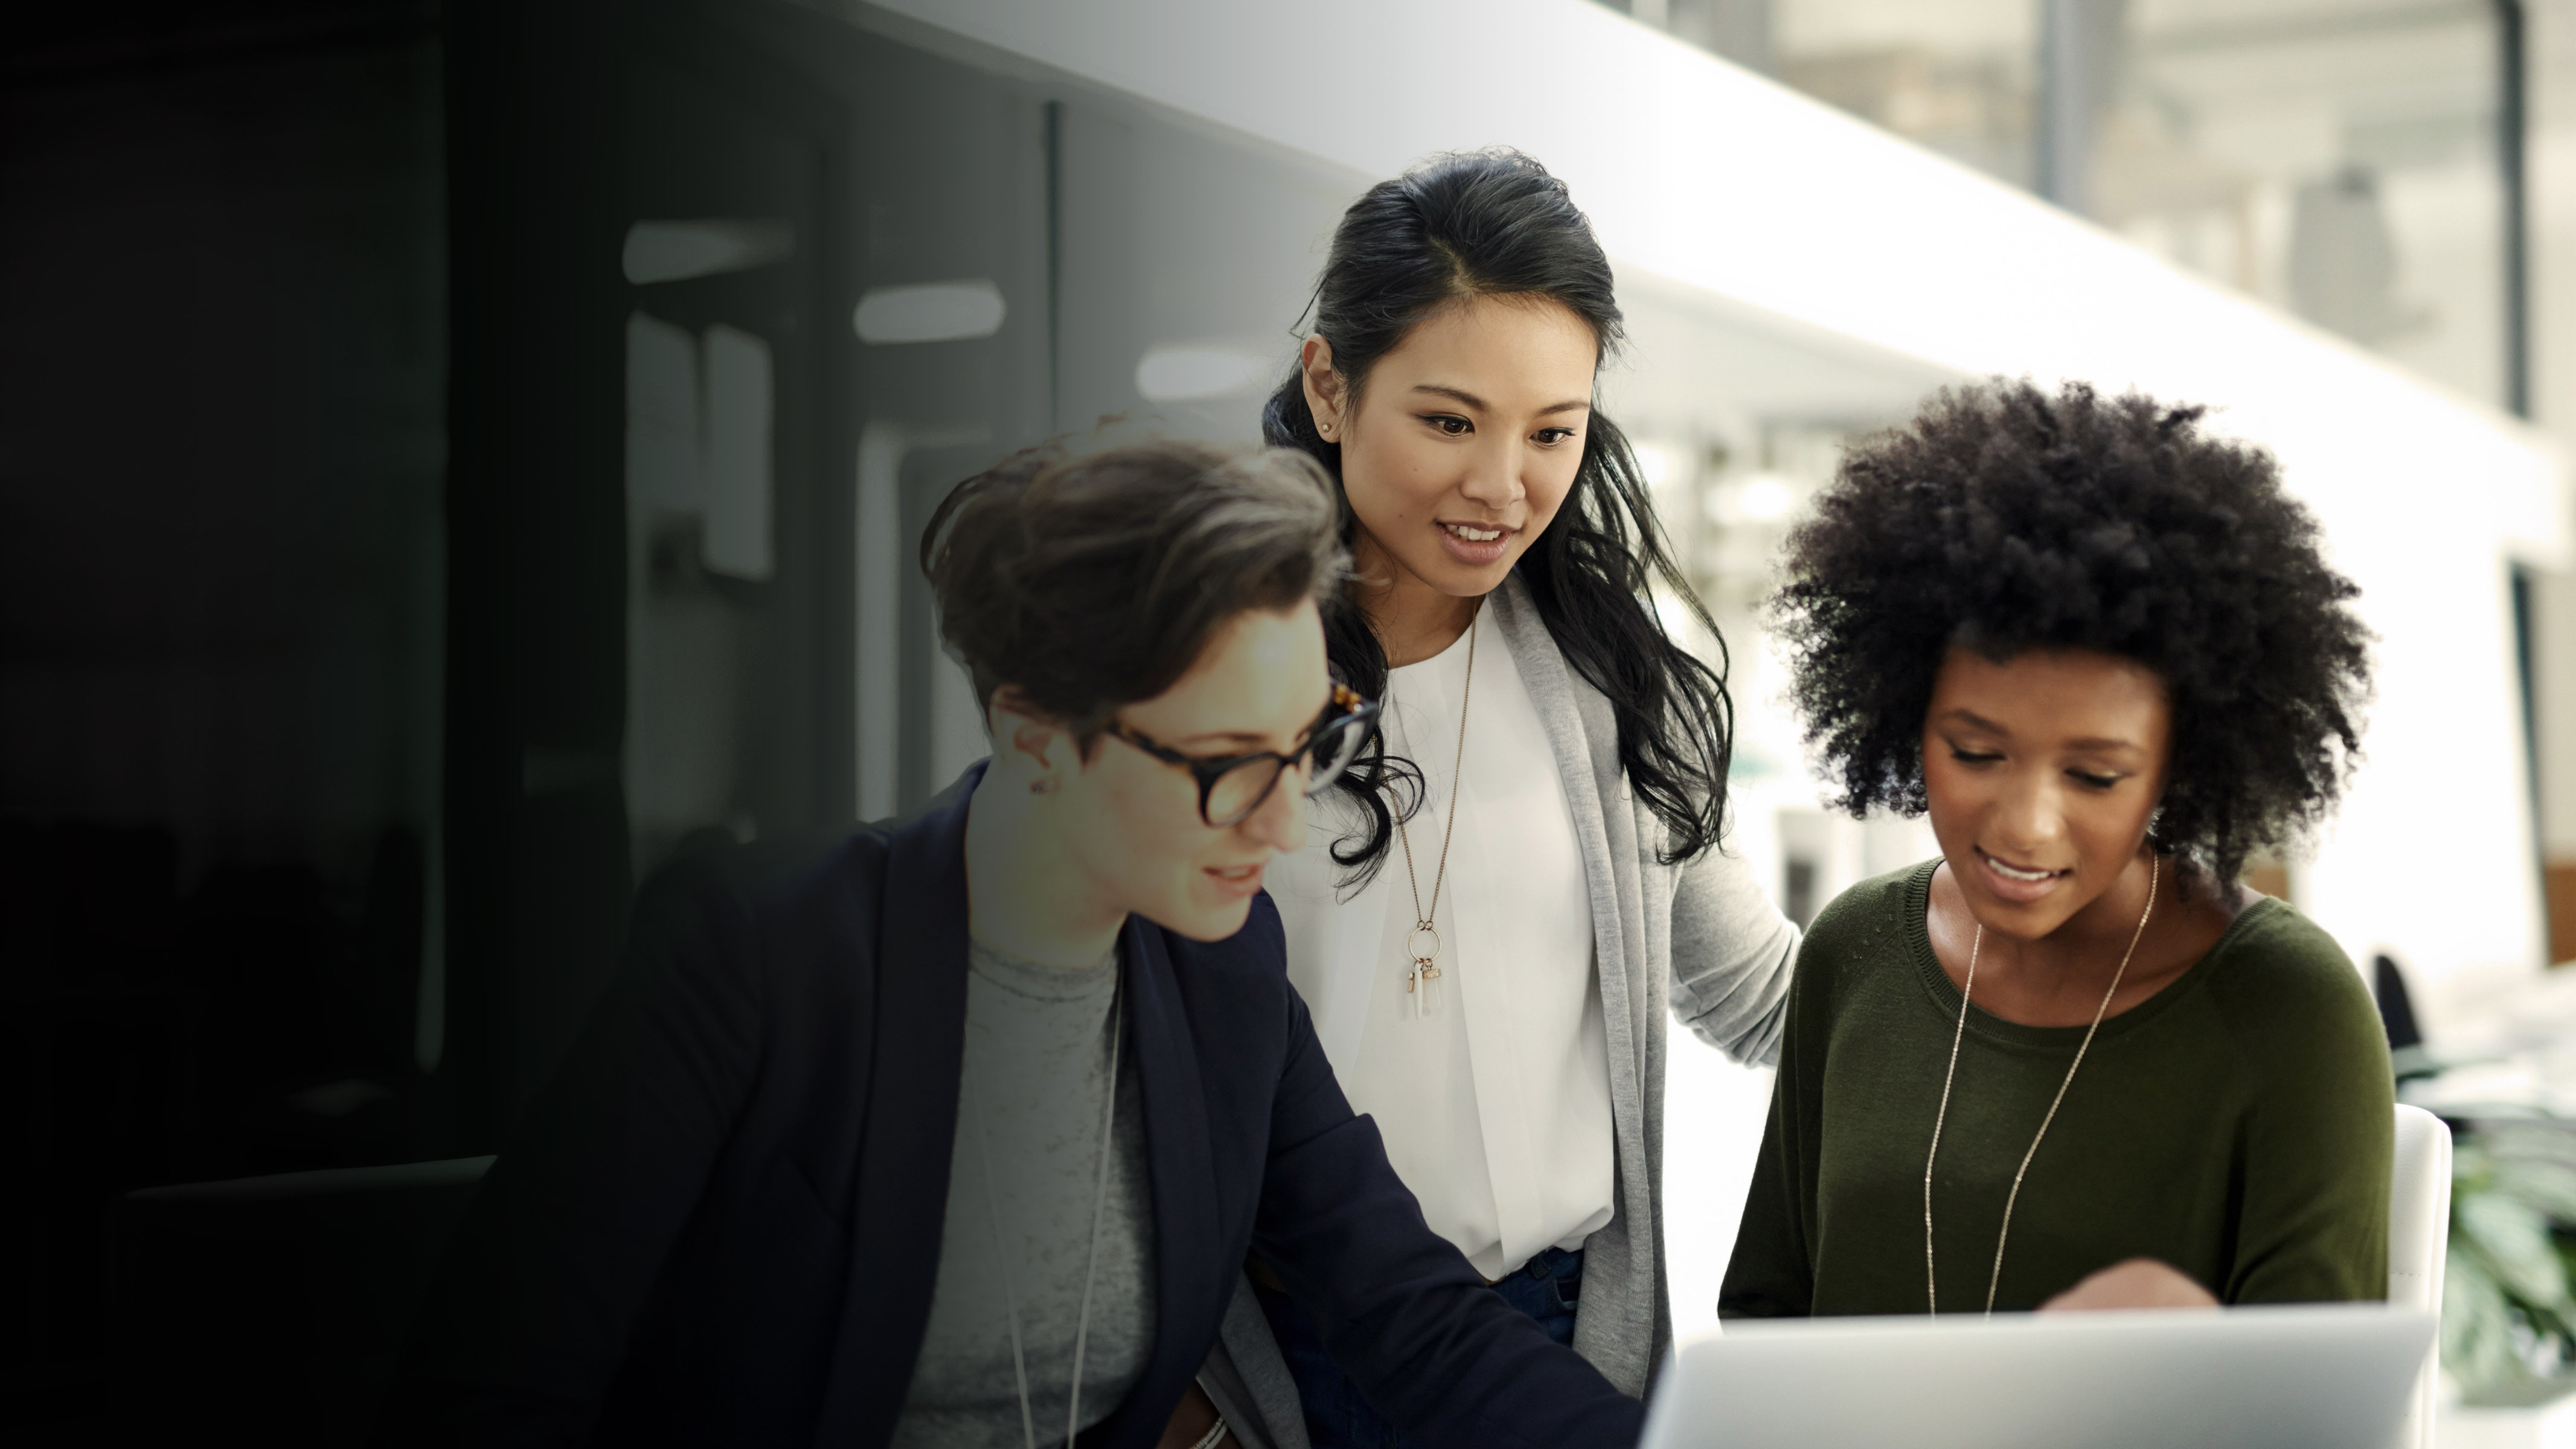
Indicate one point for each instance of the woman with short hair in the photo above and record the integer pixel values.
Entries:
(2071, 1062)
(956, 1131)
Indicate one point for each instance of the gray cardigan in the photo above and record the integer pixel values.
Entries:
(1700, 938)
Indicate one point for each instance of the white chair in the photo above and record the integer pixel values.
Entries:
(2419, 1239)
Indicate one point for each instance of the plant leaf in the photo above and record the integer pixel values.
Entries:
(2513, 1237)
(2477, 1326)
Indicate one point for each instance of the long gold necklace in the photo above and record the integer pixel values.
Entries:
(1425, 956)
(1931, 1284)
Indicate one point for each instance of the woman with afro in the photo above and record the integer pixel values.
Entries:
(2071, 1062)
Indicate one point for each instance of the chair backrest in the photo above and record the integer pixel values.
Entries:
(2419, 1240)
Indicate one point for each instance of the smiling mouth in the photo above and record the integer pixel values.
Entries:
(1238, 880)
(1469, 533)
(2014, 872)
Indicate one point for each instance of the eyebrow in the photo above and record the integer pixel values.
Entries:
(2105, 744)
(1974, 720)
(1479, 404)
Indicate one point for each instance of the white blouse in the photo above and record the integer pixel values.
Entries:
(1492, 1086)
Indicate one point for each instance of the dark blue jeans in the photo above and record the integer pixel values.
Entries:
(1545, 1288)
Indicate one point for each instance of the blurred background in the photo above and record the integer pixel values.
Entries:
(456, 456)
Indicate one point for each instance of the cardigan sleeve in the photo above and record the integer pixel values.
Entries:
(1732, 952)
(1731, 948)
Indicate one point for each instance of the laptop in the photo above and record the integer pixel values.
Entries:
(2333, 1376)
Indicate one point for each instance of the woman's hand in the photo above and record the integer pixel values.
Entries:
(1190, 1422)
(2135, 1283)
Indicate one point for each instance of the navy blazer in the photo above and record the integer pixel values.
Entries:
(721, 1223)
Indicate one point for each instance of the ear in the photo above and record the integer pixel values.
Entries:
(1027, 744)
(1325, 394)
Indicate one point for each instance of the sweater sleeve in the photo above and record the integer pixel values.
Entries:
(1732, 952)
(2318, 1133)
(1772, 1274)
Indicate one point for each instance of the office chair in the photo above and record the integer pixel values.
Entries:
(2419, 1238)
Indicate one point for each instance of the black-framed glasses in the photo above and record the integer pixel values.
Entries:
(1231, 787)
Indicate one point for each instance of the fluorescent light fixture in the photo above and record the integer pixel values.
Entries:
(671, 251)
(1190, 372)
(930, 312)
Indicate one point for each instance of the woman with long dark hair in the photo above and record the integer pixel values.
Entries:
(1510, 893)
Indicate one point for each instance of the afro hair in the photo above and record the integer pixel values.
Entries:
(2005, 518)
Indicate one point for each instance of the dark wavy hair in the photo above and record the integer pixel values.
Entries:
(2005, 517)
(1495, 223)
(1091, 581)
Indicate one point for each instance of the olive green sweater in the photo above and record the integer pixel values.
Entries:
(2237, 1124)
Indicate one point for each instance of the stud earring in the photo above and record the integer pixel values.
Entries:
(1041, 786)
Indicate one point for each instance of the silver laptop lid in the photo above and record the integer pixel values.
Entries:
(2333, 1376)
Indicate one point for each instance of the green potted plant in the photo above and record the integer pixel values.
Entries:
(2508, 1313)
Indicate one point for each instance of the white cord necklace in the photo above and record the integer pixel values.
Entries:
(1091, 1266)
(1931, 1284)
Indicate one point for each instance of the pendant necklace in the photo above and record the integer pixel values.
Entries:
(1091, 1265)
(1931, 1284)
(1423, 946)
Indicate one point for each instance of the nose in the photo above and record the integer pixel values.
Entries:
(1493, 480)
(1280, 820)
(2031, 817)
